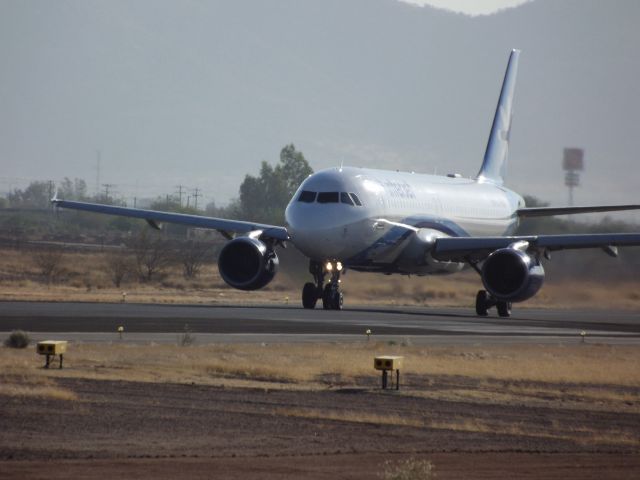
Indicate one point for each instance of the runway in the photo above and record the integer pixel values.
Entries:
(153, 322)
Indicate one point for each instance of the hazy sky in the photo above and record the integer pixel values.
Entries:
(469, 7)
(199, 92)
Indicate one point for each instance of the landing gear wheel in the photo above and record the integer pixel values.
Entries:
(326, 297)
(309, 295)
(332, 298)
(504, 309)
(482, 303)
(337, 299)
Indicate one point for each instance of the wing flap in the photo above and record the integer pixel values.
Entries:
(224, 226)
(478, 248)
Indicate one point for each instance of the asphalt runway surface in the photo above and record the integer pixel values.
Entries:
(91, 321)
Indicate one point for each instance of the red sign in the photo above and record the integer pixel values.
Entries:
(573, 159)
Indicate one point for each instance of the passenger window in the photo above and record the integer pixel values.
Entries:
(355, 198)
(307, 196)
(328, 197)
(345, 198)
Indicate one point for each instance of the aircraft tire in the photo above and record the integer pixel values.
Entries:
(337, 299)
(326, 297)
(482, 300)
(504, 309)
(309, 296)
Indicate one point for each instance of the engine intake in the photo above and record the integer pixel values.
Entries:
(511, 275)
(247, 263)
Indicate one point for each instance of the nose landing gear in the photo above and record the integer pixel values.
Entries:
(332, 297)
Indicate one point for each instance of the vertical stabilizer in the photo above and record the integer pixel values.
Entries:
(494, 166)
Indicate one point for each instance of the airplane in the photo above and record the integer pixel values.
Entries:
(392, 222)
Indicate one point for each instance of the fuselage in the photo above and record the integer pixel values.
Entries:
(359, 216)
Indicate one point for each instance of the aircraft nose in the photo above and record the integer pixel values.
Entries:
(312, 233)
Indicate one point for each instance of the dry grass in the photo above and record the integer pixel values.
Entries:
(33, 386)
(84, 277)
(339, 364)
(582, 377)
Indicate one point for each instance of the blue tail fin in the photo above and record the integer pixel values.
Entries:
(494, 166)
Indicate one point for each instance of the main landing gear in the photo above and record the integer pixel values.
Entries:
(484, 302)
(330, 293)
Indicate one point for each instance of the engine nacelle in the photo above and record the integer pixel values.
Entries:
(511, 275)
(247, 263)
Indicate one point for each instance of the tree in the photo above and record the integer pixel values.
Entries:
(265, 197)
(75, 189)
(152, 254)
(118, 266)
(36, 195)
(193, 254)
(49, 262)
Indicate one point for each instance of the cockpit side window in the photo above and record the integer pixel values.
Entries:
(328, 197)
(355, 198)
(307, 197)
(345, 198)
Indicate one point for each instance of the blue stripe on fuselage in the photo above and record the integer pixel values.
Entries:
(397, 235)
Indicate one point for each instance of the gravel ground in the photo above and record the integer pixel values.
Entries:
(158, 430)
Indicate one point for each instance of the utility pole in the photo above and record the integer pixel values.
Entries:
(107, 187)
(180, 192)
(196, 194)
(98, 155)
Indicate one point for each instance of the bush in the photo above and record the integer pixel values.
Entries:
(17, 339)
(410, 469)
(187, 338)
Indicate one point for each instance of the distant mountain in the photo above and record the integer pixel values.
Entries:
(199, 93)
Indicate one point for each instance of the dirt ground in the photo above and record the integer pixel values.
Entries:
(131, 429)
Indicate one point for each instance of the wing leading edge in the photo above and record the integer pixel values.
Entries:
(477, 248)
(224, 226)
(550, 211)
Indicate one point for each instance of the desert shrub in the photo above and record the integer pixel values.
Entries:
(119, 265)
(17, 339)
(49, 262)
(187, 338)
(193, 255)
(152, 254)
(410, 469)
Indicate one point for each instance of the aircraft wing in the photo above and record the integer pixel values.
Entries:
(549, 211)
(154, 218)
(478, 248)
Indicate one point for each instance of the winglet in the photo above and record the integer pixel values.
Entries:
(494, 166)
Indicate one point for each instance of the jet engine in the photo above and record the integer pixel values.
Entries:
(511, 275)
(247, 263)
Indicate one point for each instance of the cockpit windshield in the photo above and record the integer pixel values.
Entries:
(307, 196)
(328, 197)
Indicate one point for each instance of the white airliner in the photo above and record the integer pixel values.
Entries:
(395, 222)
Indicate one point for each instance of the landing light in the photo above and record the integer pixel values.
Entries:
(339, 266)
(329, 266)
